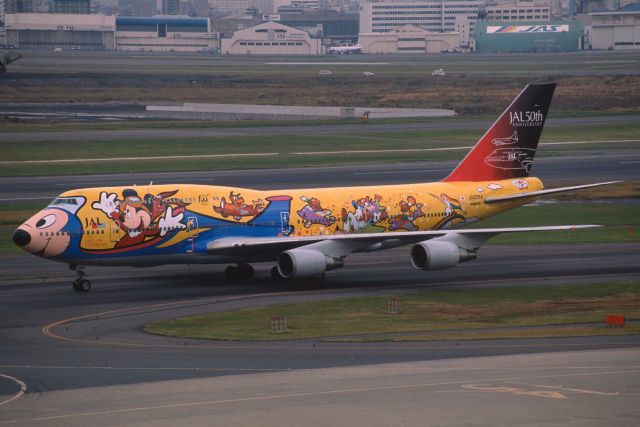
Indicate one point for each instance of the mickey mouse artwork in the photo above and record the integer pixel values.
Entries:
(142, 219)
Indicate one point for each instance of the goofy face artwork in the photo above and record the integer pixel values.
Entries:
(142, 220)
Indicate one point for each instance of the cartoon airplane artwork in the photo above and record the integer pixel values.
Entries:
(303, 232)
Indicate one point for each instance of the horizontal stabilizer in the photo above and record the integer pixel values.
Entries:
(545, 192)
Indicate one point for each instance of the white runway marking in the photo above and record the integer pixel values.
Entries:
(17, 199)
(117, 159)
(329, 63)
(403, 171)
(23, 389)
(308, 394)
(295, 153)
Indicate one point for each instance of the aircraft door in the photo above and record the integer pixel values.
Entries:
(115, 233)
(192, 227)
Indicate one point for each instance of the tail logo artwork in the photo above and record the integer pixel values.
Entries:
(507, 155)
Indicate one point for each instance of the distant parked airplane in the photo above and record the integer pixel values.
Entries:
(346, 49)
(304, 232)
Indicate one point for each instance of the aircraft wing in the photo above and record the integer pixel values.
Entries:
(544, 192)
(340, 245)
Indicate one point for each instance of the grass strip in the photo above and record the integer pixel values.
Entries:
(288, 147)
(622, 223)
(350, 318)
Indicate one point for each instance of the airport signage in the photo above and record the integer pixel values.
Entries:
(519, 29)
(266, 18)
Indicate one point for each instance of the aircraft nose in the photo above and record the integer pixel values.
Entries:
(21, 237)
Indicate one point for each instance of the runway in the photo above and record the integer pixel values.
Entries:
(84, 358)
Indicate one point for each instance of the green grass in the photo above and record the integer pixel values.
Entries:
(424, 312)
(284, 145)
(622, 223)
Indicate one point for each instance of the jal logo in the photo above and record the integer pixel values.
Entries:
(525, 118)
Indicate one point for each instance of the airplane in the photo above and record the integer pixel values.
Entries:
(346, 49)
(7, 58)
(305, 232)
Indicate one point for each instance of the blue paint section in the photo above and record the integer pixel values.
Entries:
(273, 221)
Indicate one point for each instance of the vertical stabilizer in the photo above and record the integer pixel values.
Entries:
(507, 149)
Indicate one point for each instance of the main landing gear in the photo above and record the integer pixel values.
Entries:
(81, 284)
(240, 271)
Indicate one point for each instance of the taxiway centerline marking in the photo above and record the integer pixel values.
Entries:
(23, 389)
(308, 394)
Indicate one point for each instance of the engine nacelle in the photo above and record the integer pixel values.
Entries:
(305, 263)
(435, 255)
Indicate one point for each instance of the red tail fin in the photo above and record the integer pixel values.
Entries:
(507, 149)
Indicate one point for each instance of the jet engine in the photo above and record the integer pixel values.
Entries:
(305, 263)
(438, 255)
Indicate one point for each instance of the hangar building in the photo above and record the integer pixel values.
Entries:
(542, 36)
(617, 30)
(331, 24)
(272, 38)
(409, 39)
(60, 30)
(165, 34)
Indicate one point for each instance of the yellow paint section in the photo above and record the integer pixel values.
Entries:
(313, 212)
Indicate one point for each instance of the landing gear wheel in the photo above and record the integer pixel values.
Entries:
(241, 271)
(275, 273)
(85, 285)
(81, 285)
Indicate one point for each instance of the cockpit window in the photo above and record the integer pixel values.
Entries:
(71, 204)
(60, 201)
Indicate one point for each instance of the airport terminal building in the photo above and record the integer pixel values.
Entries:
(381, 16)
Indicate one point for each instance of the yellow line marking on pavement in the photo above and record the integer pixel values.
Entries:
(575, 390)
(47, 329)
(23, 389)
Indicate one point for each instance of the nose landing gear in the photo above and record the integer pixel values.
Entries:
(81, 284)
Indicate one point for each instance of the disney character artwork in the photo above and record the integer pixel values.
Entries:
(366, 215)
(410, 210)
(453, 211)
(237, 208)
(313, 213)
(142, 220)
